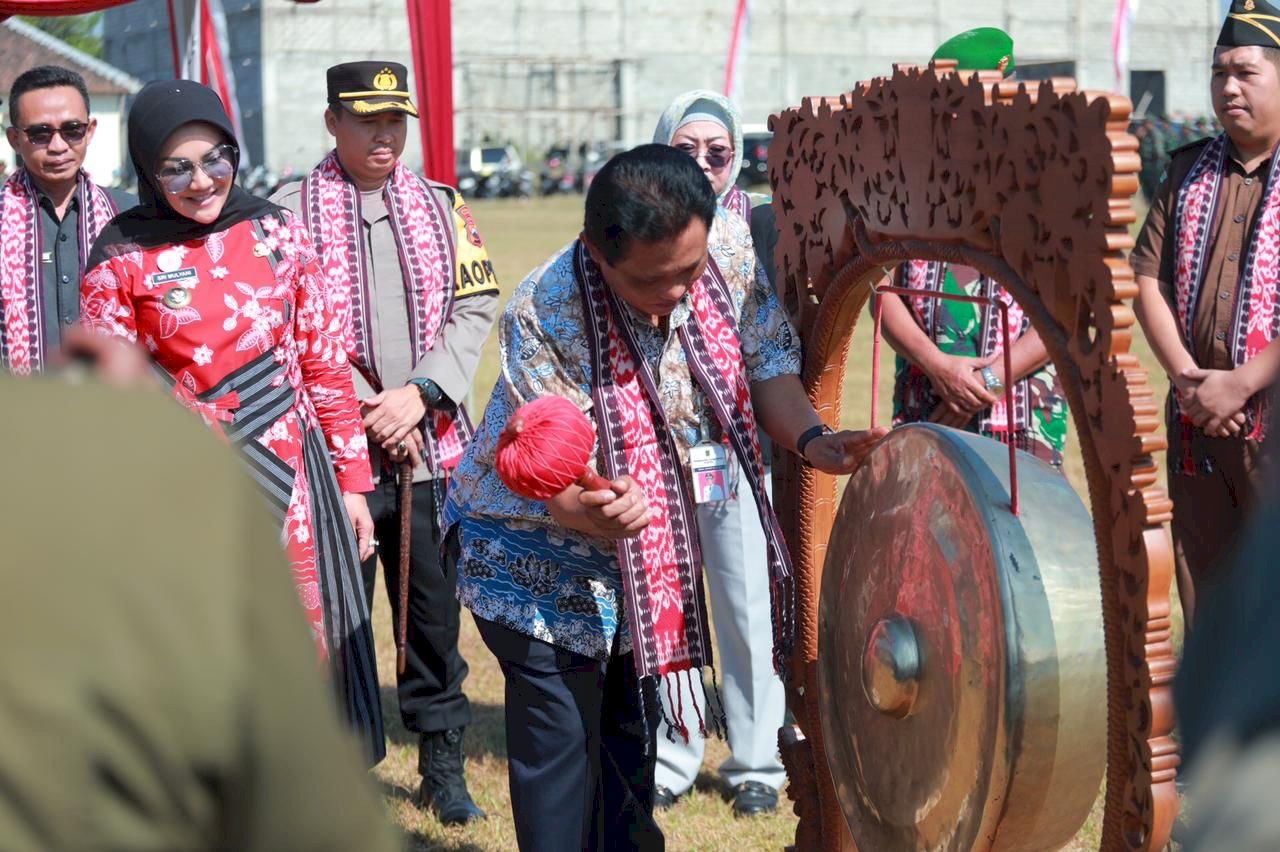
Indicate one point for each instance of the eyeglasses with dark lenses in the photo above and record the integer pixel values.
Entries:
(177, 174)
(72, 132)
(717, 156)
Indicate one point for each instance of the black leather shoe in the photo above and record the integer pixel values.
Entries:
(444, 789)
(663, 798)
(751, 798)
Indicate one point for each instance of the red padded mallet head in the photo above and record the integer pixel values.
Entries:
(545, 448)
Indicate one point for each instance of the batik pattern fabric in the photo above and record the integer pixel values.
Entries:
(23, 347)
(1256, 320)
(251, 337)
(965, 329)
(568, 588)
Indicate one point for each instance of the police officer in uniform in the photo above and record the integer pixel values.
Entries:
(423, 298)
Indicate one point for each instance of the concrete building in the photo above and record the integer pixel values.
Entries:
(535, 72)
(24, 47)
(136, 37)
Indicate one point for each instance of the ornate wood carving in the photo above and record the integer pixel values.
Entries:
(1031, 186)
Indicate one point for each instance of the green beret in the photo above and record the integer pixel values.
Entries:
(983, 49)
(1251, 22)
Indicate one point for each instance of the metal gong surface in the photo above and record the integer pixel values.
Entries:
(962, 674)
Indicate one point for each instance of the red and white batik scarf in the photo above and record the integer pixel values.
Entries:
(23, 347)
(1255, 320)
(661, 568)
(929, 276)
(424, 236)
(737, 201)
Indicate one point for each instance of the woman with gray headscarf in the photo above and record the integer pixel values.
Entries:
(708, 127)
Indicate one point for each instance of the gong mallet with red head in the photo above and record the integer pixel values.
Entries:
(546, 447)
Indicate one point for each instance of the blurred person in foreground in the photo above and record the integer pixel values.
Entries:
(155, 675)
(590, 599)
(225, 291)
(1208, 263)
(1228, 699)
(51, 211)
(735, 556)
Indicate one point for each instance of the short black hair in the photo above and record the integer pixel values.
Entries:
(1271, 54)
(45, 77)
(649, 193)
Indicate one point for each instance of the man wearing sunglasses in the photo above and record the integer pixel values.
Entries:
(50, 214)
(423, 300)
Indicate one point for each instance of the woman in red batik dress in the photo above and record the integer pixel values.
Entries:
(225, 291)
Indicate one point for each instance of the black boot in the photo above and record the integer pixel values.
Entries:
(444, 789)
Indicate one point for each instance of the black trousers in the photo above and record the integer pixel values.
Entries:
(581, 738)
(430, 690)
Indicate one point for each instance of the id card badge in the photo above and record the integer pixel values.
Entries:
(709, 466)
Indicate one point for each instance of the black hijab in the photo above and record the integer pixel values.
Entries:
(160, 109)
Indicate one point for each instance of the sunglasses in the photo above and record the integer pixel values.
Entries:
(73, 132)
(177, 174)
(717, 156)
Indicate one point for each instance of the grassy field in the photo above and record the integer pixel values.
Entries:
(519, 236)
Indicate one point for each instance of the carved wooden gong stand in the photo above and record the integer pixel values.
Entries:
(1032, 187)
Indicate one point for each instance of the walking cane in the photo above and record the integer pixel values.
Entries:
(406, 509)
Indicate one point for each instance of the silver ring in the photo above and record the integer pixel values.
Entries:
(992, 381)
(400, 447)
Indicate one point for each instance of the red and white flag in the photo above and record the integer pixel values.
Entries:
(736, 62)
(1121, 32)
(207, 58)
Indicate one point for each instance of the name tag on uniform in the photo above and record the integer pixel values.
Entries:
(185, 277)
(46, 257)
(709, 467)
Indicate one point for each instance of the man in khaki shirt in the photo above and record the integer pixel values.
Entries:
(424, 297)
(1207, 279)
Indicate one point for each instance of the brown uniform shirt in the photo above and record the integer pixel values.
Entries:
(1156, 252)
(1209, 509)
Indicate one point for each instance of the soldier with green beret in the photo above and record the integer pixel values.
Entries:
(950, 365)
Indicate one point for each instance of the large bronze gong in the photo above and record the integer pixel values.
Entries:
(1030, 184)
(961, 663)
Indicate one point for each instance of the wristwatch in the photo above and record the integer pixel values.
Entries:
(432, 396)
(808, 435)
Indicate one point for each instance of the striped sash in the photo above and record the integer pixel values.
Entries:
(242, 406)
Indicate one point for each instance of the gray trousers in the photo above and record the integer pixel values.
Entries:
(735, 560)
